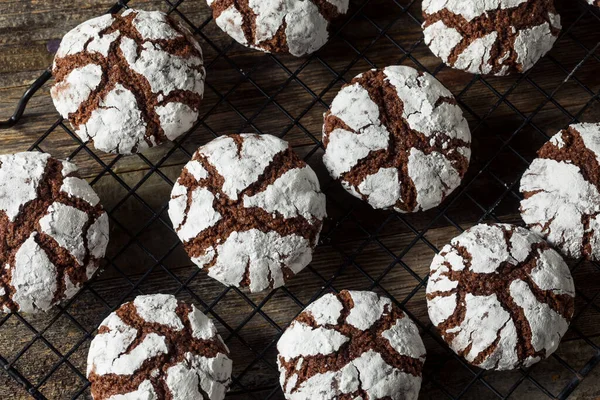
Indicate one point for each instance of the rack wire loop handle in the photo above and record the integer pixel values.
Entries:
(35, 86)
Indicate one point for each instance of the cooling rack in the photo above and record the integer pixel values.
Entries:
(360, 248)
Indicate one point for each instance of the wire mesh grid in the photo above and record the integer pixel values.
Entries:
(360, 248)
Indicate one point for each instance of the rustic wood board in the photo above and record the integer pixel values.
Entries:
(31, 29)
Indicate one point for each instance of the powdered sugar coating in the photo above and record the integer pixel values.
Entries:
(210, 375)
(65, 224)
(144, 392)
(157, 360)
(153, 345)
(354, 134)
(68, 168)
(589, 134)
(197, 170)
(97, 238)
(152, 25)
(381, 188)
(202, 326)
(561, 202)
(552, 274)
(506, 39)
(102, 44)
(263, 254)
(326, 311)
(117, 126)
(295, 26)
(528, 55)
(20, 175)
(176, 118)
(404, 337)
(346, 149)
(487, 276)
(200, 214)
(79, 188)
(76, 88)
(48, 216)
(468, 10)
(483, 311)
(140, 45)
(359, 373)
(355, 108)
(224, 180)
(476, 57)
(321, 338)
(33, 277)
(368, 308)
(291, 195)
(306, 29)
(241, 167)
(231, 21)
(164, 72)
(302, 340)
(107, 347)
(423, 108)
(550, 325)
(159, 309)
(341, 5)
(441, 39)
(74, 41)
(433, 176)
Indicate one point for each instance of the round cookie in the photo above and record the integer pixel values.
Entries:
(561, 192)
(492, 37)
(354, 345)
(297, 27)
(129, 82)
(158, 348)
(53, 232)
(500, 296)
(397, 139)
(594, 2)
(248, 210)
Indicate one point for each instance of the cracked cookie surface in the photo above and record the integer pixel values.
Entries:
(53, 231)
(129, 82)
(500, 296)
(248, 211)
(297, 27)
(157, 348)
(397, 139)
(353, 345)
(561, 190)
(491, 37)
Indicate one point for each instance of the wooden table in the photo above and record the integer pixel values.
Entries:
(503, 140)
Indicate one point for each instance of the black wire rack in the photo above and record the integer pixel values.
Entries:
(510, 119)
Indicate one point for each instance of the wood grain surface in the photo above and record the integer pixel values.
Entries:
(510, 118)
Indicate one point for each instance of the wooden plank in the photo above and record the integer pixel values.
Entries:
(30, 29)
(234, 309)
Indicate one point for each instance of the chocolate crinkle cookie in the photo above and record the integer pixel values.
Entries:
(354, 345)
(495, 37)
(129, 82)
(397, 139)
(297, 27)
(500, 296)
(561, 190)
(594, 2)
(156, 348)
(53, 232)
(248, 210)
